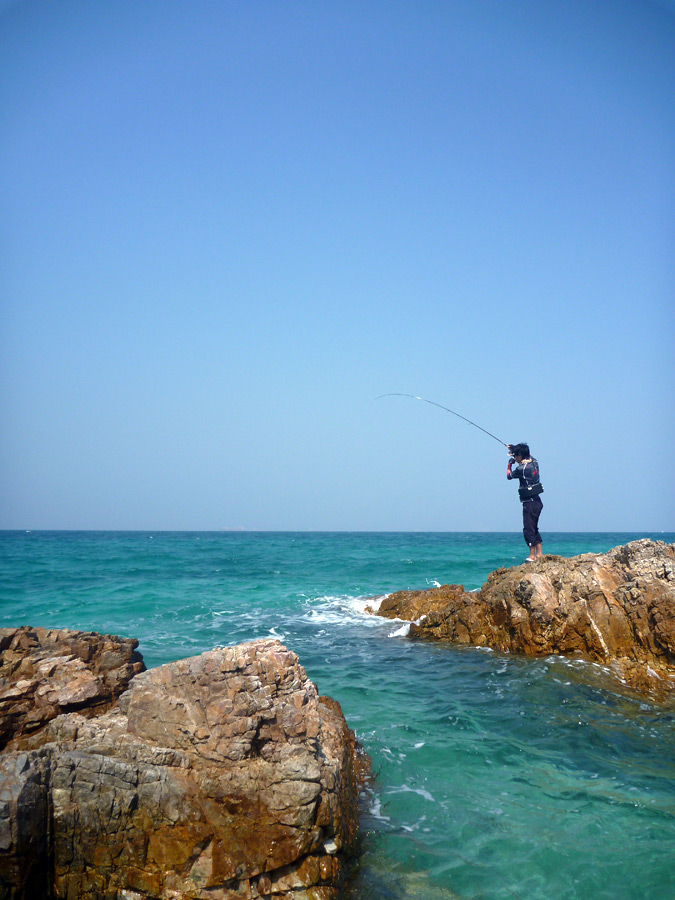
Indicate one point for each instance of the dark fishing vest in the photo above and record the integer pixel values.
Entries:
(528, 476)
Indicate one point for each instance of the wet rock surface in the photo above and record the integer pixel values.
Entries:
(221, 776)
(616, 608)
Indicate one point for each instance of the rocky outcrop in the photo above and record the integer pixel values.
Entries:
(616, 608)
(416, 606)
(44, 673)
(222, 776)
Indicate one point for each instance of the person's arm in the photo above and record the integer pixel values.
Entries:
(510, 471)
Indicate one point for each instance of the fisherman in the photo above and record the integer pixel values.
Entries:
(526, 469)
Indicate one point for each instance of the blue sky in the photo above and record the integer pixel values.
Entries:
(228, 227)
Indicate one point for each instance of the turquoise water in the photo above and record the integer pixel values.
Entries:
(496, 776)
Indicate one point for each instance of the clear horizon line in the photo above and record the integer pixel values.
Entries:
(315, 531)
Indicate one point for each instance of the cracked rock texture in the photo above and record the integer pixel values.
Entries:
(44, 673)
(615, 608)
(222, 776)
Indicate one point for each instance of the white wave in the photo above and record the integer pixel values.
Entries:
(367, 605)
(351, 610)
(330, 610)
(375, 809)
(416, 826)
(406, 789)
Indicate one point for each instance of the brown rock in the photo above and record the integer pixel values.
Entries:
(412, 605)
(616, 608)
(44, 673)
(223, 776)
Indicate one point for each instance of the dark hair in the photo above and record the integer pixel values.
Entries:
(520, 450)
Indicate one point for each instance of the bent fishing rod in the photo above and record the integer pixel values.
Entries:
(433, 403)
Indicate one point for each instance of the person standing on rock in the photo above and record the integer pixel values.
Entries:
(526, 469)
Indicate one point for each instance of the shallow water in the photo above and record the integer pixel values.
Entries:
(496, 776)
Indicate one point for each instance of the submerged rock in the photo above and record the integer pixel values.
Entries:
(616, 608)
(221, 776)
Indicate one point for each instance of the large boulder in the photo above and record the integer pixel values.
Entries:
(616, 608)
(222, 776)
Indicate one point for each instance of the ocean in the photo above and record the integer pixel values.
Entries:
(495, 776)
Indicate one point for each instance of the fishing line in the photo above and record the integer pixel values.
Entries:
(414, 397)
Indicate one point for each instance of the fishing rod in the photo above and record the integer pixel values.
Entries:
(414, 397)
